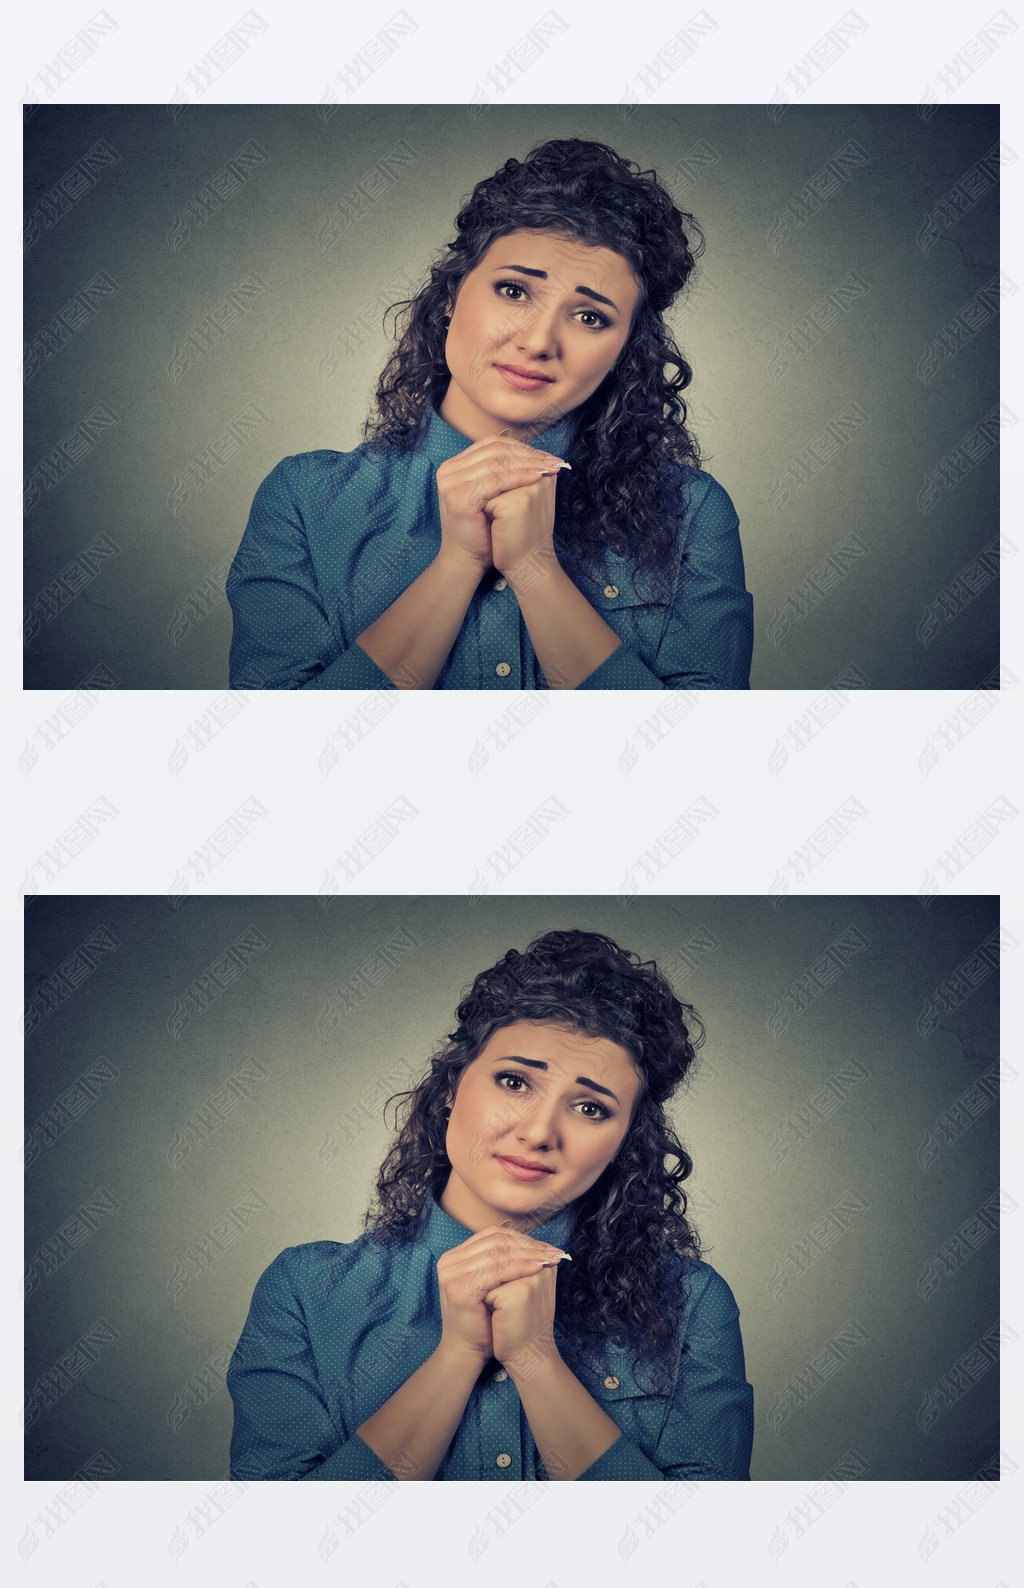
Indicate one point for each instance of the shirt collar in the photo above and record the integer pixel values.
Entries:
(441, 1232)
(440, 442)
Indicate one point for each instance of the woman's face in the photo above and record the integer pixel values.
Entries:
(535, 328)
(536, 1118)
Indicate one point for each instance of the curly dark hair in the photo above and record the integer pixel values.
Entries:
(629, 438)
(630, 1228)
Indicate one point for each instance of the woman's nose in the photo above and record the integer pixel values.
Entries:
(538, 1127)
(538, 337)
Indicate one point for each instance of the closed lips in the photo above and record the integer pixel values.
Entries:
(526, 374)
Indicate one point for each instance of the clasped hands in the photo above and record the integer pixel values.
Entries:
(497, 1299)
(497, 506)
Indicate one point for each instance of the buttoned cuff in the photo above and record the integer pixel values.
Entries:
(354, 1459)
(353, 669)
(621, 1461)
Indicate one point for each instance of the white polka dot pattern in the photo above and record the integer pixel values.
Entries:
(334, 538)
(334, 1330)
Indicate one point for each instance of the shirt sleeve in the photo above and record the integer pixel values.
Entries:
(709, 1429)
(283, 1426)
(283, 637)
(708, 640)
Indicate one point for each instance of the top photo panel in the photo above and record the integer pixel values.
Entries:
(512, 397)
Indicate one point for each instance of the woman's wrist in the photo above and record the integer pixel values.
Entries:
(460, 1359)
(526, 572)
(536, 1366)
(463, 569)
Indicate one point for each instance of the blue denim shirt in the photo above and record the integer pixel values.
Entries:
(335, 537)
(334, 1330)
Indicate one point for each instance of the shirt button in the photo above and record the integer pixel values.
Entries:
(504, 1461)
(611, 1382)
(503, 669)
(501, 584)
(611, 591)
(501, 1375)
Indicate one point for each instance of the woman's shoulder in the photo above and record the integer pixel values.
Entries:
(323, 460)
(301, 473)
(313, 1261)
(325, 1263)
(705, 1293)
(702, 492)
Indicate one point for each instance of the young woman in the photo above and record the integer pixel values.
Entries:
(526, 511)
(528, 1300)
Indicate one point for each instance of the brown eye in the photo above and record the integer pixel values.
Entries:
(510, 1075)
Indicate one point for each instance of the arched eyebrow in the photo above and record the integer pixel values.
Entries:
(588, 292)
(540, 1064)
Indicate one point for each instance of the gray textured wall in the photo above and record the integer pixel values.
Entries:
(823, 400)
(199, 1095)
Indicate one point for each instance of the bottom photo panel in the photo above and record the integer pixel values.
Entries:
(518, 1189)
